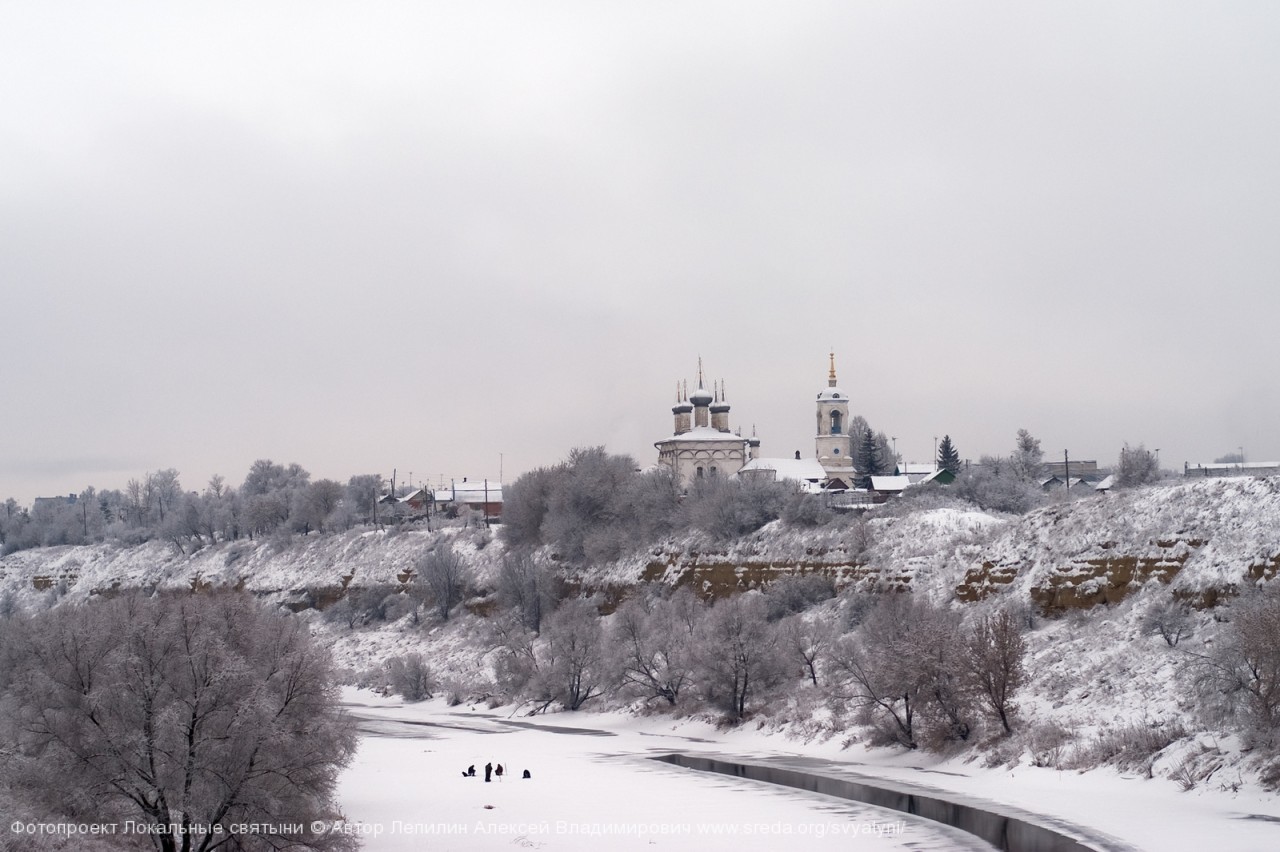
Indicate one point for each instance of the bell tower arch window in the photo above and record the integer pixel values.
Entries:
(835, 423)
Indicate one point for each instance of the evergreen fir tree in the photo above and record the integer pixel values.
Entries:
(948, 458)
(869, 463)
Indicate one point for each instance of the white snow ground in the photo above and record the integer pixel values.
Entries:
(595, 789)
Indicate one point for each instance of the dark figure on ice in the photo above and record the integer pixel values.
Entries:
(471, 771)
(488, 772)
(498, 771)
(526, 774)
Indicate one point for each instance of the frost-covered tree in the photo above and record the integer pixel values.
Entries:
(524, 507)
(728, 508)
(13, 518)
(807, 510)
(994, 484)
(652, 501)
(164, 490)
(652, 649)
(1027, 461)
(575, 670)
(182, 527)
(265, 513)
(362, 492)
(580, 507)
(584, 510)
(806, 641)
(738, 656)
(447, 576)
(529, 587)
(902, 669)
(315, 503)
(994, 661)
(1137, 466)
(1170, 619)
(1244, 665)
(410, 676)
(176, 710)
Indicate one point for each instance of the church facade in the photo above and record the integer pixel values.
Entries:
(702, 445)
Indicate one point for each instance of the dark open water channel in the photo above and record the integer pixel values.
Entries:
(1006, 833)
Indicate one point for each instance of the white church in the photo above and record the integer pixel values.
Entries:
(702, 445)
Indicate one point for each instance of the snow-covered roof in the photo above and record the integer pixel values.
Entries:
(470, 492)
(1057, 480)
(800, 470)
(1106, 484)
(832, 393)
(889, 483)
(909, 468)
(705, 433)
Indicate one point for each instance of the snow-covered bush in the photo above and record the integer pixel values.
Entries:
(410, 676)
(797, 593)
(1243, 667)
(1131, 747)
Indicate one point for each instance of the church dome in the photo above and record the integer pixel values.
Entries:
(832, 393)
(701, 396)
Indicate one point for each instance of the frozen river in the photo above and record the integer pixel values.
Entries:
(589, 790)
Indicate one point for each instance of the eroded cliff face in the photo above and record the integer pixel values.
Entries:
(1083, 582)
(1204, 540)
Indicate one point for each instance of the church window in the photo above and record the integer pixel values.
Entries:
(713, 470)
(836, 451)
(835, 423)
(700, 471)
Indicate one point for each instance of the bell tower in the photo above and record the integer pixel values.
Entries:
(833, 444)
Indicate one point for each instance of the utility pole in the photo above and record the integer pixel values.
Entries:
(1066, 471)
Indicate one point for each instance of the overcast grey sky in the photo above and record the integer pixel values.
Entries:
(420, 235)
